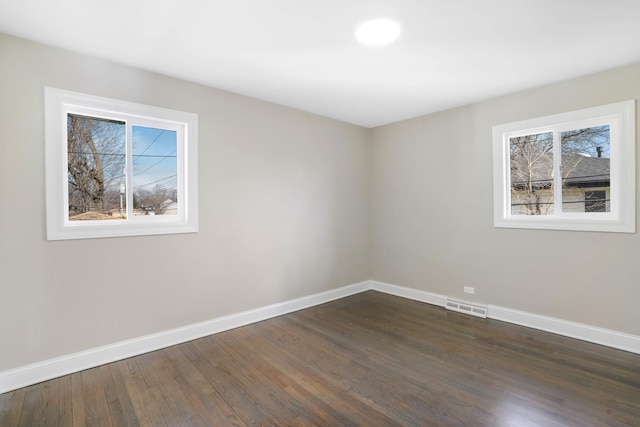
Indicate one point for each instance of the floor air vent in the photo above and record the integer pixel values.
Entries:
(470, 308)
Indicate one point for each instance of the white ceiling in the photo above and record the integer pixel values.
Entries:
(303, 54)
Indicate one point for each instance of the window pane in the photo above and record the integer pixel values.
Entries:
(586, 169)
(155, 169)
(96, 157)
(531, 174)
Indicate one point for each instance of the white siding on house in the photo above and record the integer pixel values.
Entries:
(573, 200)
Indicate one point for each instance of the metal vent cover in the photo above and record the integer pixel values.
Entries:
(465, 307)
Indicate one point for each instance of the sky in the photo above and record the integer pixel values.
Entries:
(154, 158)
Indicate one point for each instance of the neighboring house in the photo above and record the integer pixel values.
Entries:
(586, 186)
(168, 207)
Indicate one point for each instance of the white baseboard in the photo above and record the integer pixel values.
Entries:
(64, 365)
(409, 293)
(593, 334)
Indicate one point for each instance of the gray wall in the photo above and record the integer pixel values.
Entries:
(290, 204)
(432, 224)
(283, 214)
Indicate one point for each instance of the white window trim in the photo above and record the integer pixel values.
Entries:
(58, 103)
(621, 217)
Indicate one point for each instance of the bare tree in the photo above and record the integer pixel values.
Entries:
(531, 164)
(155, 200)
(96, 159)
(532, 172)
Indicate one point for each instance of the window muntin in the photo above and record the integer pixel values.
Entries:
(572, 171)
(128, 169)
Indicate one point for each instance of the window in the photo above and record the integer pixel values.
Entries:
(116, 168)
(570, 171)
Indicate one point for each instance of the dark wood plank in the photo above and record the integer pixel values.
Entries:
(11, 405)
(316, 382)
(34, 405)
(59, 411)
(94, 394)
(203, 396)
(132, 383)
(121, 406)
(292, 400)
(78, 414)
(165, 395)
(234, 386)
(369, 359)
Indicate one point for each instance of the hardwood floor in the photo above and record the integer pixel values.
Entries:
(367, 360)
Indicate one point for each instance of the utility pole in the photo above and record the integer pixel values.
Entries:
(122, 190)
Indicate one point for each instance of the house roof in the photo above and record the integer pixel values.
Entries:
(590, 171)
(584, 171)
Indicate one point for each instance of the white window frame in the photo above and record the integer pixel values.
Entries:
(621, 218)
(60, 103)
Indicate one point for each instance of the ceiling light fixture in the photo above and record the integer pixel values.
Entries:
(377, 32)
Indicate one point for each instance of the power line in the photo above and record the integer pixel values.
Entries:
(564, 202)
(567, 178)
(152, 142)
(122, 155)
(159, 180)
(156, 163)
